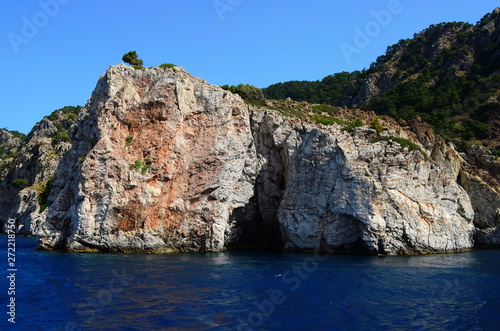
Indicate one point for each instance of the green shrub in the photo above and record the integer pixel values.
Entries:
(245, 91)
(5, 153)
(460, 145)
(17, 134)
(20, 183)
(468, 135)
(358, 122)
(43, 195)
(327, 120)
(476, 129)
(61, 136)
(167, 66)
(139, 166)
(324, 120)
(256, 103)
(325, 109)
(71, 110)
(128, 140)
(133, 59)
(54, 116)
(72, 116)
(377, 126)
(68, 112)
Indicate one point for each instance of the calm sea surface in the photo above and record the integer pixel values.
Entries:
(250, 291)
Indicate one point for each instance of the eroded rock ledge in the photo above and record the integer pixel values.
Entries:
(162, 161)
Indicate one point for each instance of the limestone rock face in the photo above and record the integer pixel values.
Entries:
(8, 141)
(36, 163)
(477, 171)
(162, 161)
(484, 192)
(344, 192)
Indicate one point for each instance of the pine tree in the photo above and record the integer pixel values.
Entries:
(132, 58)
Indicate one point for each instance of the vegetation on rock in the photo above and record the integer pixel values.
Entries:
(63, 119)
(246, 91)
(405, 143)
(329, 90)
(167, 65)
(129, 140)
(141, 166)
(20, 183)
(133, 59)
(44, 192)
(448, 74)
(6, 153)
(356, 123)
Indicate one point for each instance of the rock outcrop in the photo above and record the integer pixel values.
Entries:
(162, 161)
(25, 181)
(8, 141)
(347, 193)
(159, 162)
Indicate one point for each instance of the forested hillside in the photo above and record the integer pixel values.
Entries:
(448, 74)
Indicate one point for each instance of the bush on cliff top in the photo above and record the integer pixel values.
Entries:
(246, 91)
(167, 65)
(133, 59)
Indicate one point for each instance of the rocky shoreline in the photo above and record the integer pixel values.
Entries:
(161, 161)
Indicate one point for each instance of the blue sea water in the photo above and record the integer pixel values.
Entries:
(250, 291)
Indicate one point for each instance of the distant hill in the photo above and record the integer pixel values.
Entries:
(448, 74)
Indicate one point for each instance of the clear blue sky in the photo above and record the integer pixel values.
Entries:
(53, 51)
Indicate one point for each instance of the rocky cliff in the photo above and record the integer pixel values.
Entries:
(161, 161)
(8, 142)
(25, 180)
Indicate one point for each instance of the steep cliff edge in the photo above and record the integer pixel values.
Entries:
(162, 161)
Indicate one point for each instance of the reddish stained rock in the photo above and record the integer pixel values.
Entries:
(162, 161)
